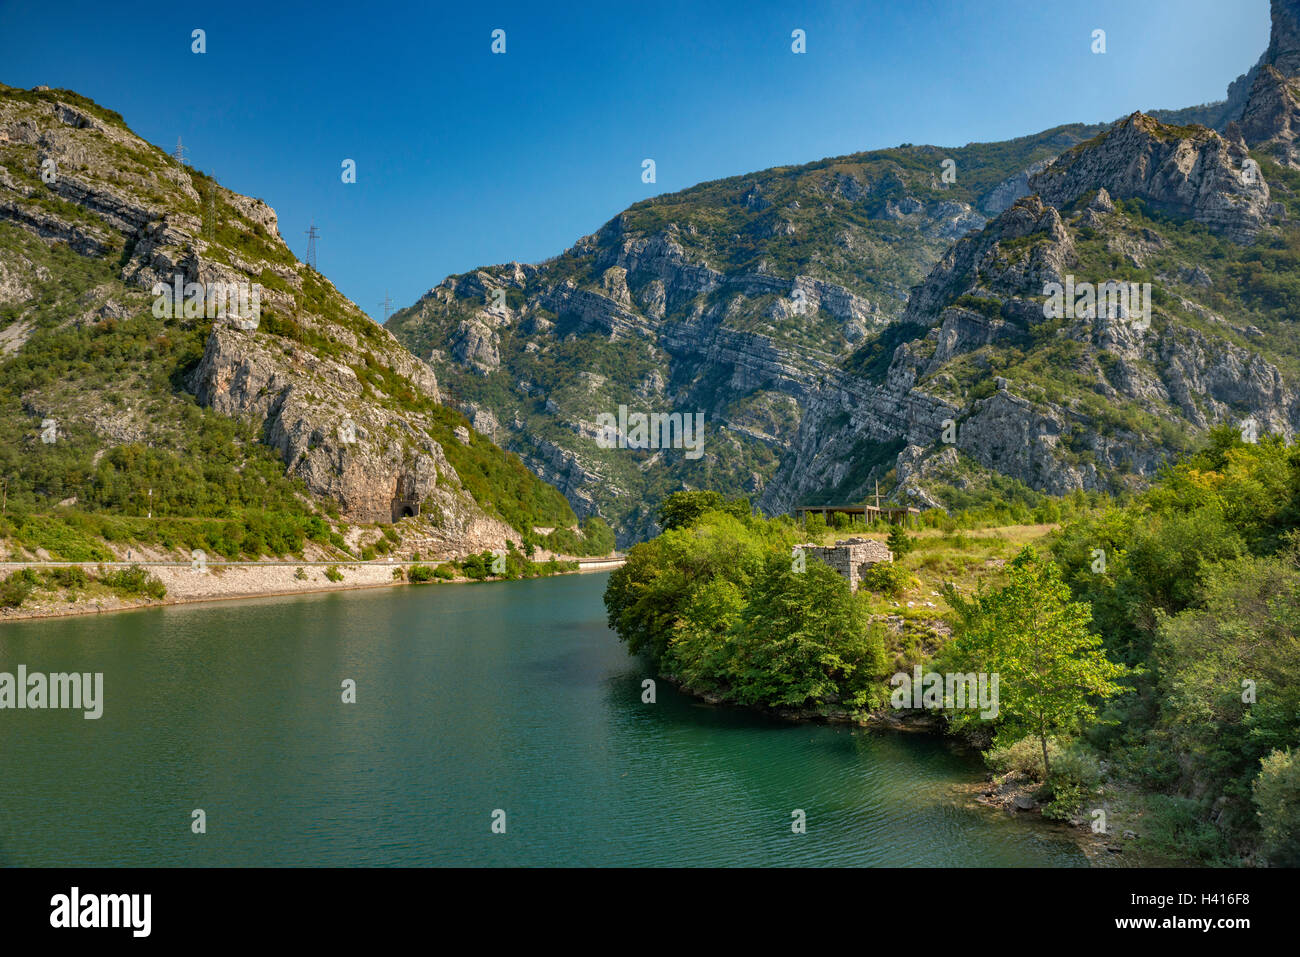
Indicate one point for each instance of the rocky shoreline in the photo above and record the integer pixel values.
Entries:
(1011, 793)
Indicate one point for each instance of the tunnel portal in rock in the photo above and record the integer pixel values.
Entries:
(405, 508)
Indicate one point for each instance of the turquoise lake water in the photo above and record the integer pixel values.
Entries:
(470, 699)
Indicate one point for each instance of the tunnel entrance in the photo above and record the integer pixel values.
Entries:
(405, 508)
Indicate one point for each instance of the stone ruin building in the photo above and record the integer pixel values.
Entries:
(850, 557)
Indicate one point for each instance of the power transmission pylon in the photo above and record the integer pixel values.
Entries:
(179, 152)
(387, 305)
(311, 245)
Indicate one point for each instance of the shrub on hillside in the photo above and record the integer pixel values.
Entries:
(887, 578)
(71, 577)
(1024, 755)
(134, 581)
(17, 588)
(418, 574)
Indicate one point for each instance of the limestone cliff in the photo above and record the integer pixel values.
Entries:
(739, 300)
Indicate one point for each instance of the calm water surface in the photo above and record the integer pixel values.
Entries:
(470, 698)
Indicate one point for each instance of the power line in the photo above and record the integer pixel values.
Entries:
(210, 210)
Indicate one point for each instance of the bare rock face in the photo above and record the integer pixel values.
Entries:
(1270, 120)
(916, 467)
(1188, 171)
(475, 344)
(16, 280)
(377, 464)
(1022, 439)
(256, 211)
(953, 220)
(973, 256)
(836, 300)
(1272, 117)
(1284, 39)
(1010, 190)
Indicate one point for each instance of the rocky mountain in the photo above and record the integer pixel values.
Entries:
(164, 351)
(884, 317)
(739, 299)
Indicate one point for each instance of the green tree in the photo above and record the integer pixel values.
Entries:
(1040, 643)
(646, 598)
(701, 652)
(1241, 634)
(681, 509)
(900, 543)
(1277, 795)
(804, 638)
(598, 537)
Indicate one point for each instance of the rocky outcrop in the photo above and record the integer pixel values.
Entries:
(987, 293)
(1017, 187)
(663, 311)
(1283, 51)
(370, 460)
(916, 470)
(1271, 119)
(969, 264)
(1187, 172)
(475, 344)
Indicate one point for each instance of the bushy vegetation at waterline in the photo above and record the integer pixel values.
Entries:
(485, 566)
(73, 582)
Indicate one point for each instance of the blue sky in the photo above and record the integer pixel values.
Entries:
(466, 158)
